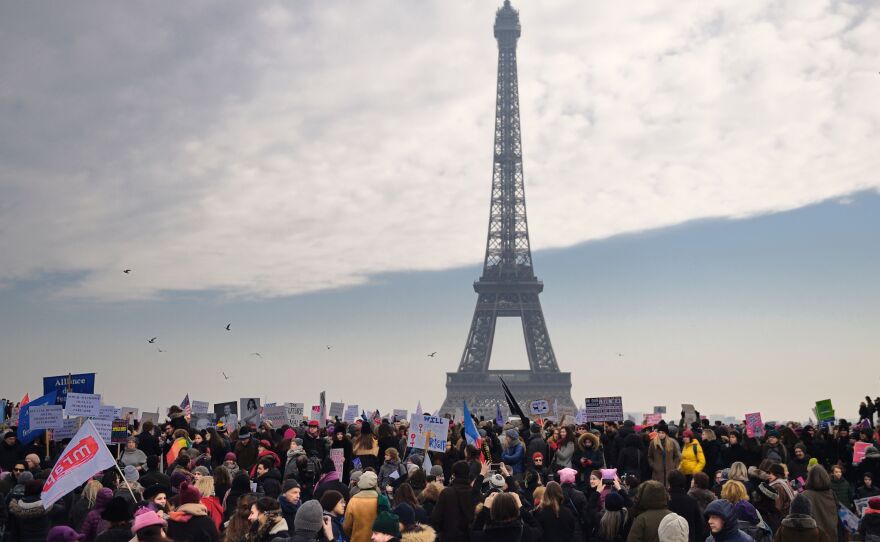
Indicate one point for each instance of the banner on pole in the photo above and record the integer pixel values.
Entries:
(118, 431)
(25, 433)
(83, 458)
(604, 409)
(81, 383)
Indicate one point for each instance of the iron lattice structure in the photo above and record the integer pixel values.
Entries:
(508, 286)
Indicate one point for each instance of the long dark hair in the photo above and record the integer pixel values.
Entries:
(405, 494)
(365, 439)
(552, 498)
(504, 508)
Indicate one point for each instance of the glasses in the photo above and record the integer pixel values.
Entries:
(17, 470)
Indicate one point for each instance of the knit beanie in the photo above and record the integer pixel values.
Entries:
(436, 470)
(673, 528)
(662, 426)
(801, 505)
(386, 522)
(130, 474)
(567, 475)
(368, 480)
(146, 518)
(405, 514)
(25, 477)
(512, 434)
(613, 502)
(201, 469)
(289, 484)
(330, 499)
(188, 494)
(746, 512)
(230, 456)
(874, 503)
(535, 428)
(309, 517)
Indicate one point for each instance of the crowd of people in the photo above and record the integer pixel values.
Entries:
(521, 481)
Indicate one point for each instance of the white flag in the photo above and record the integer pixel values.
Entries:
(85, 456)
(419, 409)
(426, 464)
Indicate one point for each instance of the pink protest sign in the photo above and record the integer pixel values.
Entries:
(859, 451)
(754, 425)
(653, 419)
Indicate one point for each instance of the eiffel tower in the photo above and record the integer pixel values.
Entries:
(508, 286)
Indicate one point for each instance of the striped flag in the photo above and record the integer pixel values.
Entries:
(471, 435)
(176, 446)
(186, 406)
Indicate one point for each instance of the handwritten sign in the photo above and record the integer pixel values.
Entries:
(337, 455)
(653, 419)
(83, 404)
(336, 410)
(399, 413)
(754, 425)
(68, 429)
(351, 413)
(275, 414)
(604, 409)
(200, 407)
(316, 413)
(104, 427)
(539, 407)
(859, 449)
(295, 413)
(109, 412)
(428, 433)
(46, 417)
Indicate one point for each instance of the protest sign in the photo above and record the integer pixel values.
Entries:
(539, 407)
(754, 425)
(824, 410)
(315, 413)
(337, 455)
(276, 414)
(295, 413)
(581, 417)
(653, 419)
(399, 414)
(859, 449)
(104, 428)
(249, 413)
(201, 421)
(109, 412)
(860, 505)
(68, 429)
(351, 413)
(428, 432)
(81, 383)
(83, 404)
(129, 414)
(118, 431)
(227, 413)
(149, 417)
(200, 407)
(84, 457)
(604, 409)
(659, 410)
(337, 410)
(45, 417)
(690, 413)
(25, 433)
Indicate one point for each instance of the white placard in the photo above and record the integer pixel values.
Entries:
(45, 417)
(200, 407)
(149, 417)
(109, 412)
(68, 429)
(581, 417)
(105, 429)
(428, 432)
(539, 407)
(399, 414)
(336, 410)
(337, 455)
(351, 413)
(275, 414)
(316, 414)
(295, 413)
(83, 404)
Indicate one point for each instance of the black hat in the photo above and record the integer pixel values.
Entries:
(154, 490)
(613, 502)
(801, 505)
(117, 510)
(406, 514)
(289, 484)
(662, 426)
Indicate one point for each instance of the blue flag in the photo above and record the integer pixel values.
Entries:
(499, 418)
(471, 435)
(25, 435)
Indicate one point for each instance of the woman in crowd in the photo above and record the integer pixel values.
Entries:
(504, 519)
(823, 503)
(692, 458)
(366, 448)
(557, 521)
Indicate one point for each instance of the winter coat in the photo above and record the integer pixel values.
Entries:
(651, 508)
(10, 455)
(288, 510)
(824, 511)
(686, 506)
(784, 495)
(28, 521)
(756, 532)
(359, 516)
(703, 497)
(712, 453)
(556, 529)
(191, 523)
(135, 458)
(592, 456)
(797, 468)
(563, 455)
(215, 510)
(93, 524)
(864, 492)
(777, 453)
(525, 529)
(870, 524)
(246, 454)
(149, 444)
(730, 532)
(419, 533)
(514, 456)
(631, 459)
(454, 512)
(799, 528)
(692, 458)
(730, 454)
(115, 534)
(336, 525)
(663, 459)
(843, 490)
(536, 443)
(387, 470)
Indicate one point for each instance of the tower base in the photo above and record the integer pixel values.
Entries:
(482, 391)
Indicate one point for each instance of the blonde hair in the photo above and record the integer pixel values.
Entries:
(431, 491)
(538, 494)
(205, 485)
(90, 492)
(734, 491)
(738, 472)
(708, 435)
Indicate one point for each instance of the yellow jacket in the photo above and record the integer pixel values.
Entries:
(692, 458)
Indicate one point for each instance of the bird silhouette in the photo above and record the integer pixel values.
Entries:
(224, 375)
(151, 341)
(619, 355)
(126, 271)
(257, 354)
(229, 325)
(160, 350)
(432, 354)
(329, 347)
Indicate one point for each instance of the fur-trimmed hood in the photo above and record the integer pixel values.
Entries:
(755, 472)
(27, 509)
(799, 522)
(597, 444)
(422, 533)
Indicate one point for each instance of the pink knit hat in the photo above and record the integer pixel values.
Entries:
(567, 475)
(146, 518)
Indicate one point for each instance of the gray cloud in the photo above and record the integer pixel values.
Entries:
(263, 149)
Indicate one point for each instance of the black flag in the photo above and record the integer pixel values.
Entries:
(513, 405)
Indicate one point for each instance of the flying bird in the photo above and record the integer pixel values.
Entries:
(432, 354)
(229, 325)
(329, 347)
(151, 341)
(160, 350)
(224, 375)
(619, 355)
(126, 271)
(257, 354)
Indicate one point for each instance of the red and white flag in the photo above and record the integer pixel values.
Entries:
(84, 457)
(186, 406)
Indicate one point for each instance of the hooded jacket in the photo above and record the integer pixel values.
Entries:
(730, 531)
(799, 528)
(651, 508)
(454, 512)
(28, 520)
(824, 511)
(93, 524)
(191, 523)
(592, 457)
(692, 458)
(663, 458)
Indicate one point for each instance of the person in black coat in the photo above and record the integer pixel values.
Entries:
(535, 444)
(557, 521)
(504, 519)
(733, 451)
(632, 459)
(454, 512)
(684, 505)
(148, 442)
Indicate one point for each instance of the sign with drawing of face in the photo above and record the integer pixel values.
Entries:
(228, 414)
(249, 411)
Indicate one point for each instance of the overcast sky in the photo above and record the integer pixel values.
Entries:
(258, 158)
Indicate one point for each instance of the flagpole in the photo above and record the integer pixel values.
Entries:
(115, 464)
